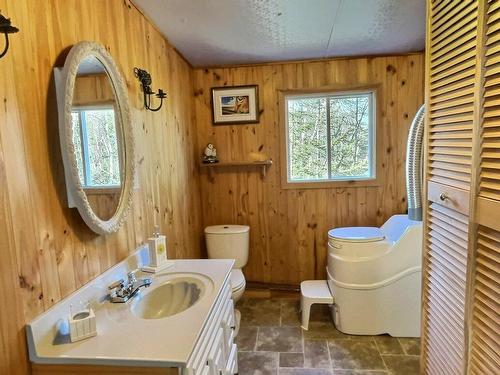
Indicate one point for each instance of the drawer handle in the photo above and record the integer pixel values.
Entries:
(443, 197)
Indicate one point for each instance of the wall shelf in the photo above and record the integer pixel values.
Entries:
(263, 165)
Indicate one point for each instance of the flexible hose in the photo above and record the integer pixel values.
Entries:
(414, 166)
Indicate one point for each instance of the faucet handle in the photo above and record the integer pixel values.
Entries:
(132, 278)
(116, 284)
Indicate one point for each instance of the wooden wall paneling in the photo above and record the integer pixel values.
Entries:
(53, 251)
(56, 253)
(93, 90)
(104, 203)
(12, 337)
(32, 252)
(289, 227)
(20, 264)
(283, 226)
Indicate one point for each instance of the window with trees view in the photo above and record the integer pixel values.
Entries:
(330, 137)
(96, 147)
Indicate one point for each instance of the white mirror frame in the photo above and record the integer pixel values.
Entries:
(65, 83)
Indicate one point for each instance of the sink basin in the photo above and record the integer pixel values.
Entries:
(169, 298)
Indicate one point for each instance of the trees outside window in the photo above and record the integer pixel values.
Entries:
(96, 147)
(330, 137)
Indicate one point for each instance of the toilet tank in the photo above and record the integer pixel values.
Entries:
(228, 242)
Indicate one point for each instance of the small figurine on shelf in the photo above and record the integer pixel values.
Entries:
(210, 155)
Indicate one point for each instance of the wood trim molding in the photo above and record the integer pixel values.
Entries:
(302, 61)
(474, 200)
(377, 181)
(425, 201)
(102, 190)
(488, 213)
(448, 196)
(42, 369)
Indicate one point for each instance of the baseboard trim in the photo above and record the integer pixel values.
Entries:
(267, 290)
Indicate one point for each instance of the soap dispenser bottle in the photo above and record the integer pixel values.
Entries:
(157, 249)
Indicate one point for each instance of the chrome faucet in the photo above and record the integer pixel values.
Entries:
(121, 291)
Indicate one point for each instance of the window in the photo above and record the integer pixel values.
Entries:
(96, 146)
(330, 137)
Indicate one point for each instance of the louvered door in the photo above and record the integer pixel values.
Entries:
(484, 330)
(444, 294)
(452, 47)
(453, 33)
(484, 355)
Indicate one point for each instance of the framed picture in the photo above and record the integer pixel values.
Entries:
(235, 105)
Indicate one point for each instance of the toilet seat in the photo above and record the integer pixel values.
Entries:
(357, 234)
(237, 279)
(238, 284)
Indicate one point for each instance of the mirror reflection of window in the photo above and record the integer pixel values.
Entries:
(96, 146)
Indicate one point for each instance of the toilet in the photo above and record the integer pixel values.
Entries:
(374, 277)
(230, 242)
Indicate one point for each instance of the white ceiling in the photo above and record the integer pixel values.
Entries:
(222, 32)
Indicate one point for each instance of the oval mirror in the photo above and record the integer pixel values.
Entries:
(96, 137)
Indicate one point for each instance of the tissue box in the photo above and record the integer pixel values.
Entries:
(82, 325)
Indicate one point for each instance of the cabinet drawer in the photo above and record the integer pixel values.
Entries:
(228, 316)
(228, 326)
(216, 356)
(205, 342)
(232, 362)
(450, 197)
(228, 343)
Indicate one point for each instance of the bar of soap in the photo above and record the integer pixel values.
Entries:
(257, 156)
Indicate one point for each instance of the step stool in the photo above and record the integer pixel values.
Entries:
(311, 292)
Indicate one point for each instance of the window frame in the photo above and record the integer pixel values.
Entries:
(373, 180)
(95, 189)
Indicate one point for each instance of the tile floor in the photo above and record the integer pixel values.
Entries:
(271, 342)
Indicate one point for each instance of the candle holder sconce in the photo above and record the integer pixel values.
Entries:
(145, 78)
(6, 28)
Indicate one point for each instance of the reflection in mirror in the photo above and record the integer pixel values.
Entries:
(97, 137)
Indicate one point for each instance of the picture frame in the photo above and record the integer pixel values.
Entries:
(235, 105)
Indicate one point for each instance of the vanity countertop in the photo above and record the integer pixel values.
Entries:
(124, 339)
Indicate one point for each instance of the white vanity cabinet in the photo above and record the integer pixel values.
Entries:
(197, 340)
(215, 352)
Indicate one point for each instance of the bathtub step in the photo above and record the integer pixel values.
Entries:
(311, 292)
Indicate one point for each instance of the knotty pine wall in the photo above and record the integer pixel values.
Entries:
(46, 251)
(289, 227)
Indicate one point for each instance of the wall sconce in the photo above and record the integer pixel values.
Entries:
(6, 28)
(145, 79)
